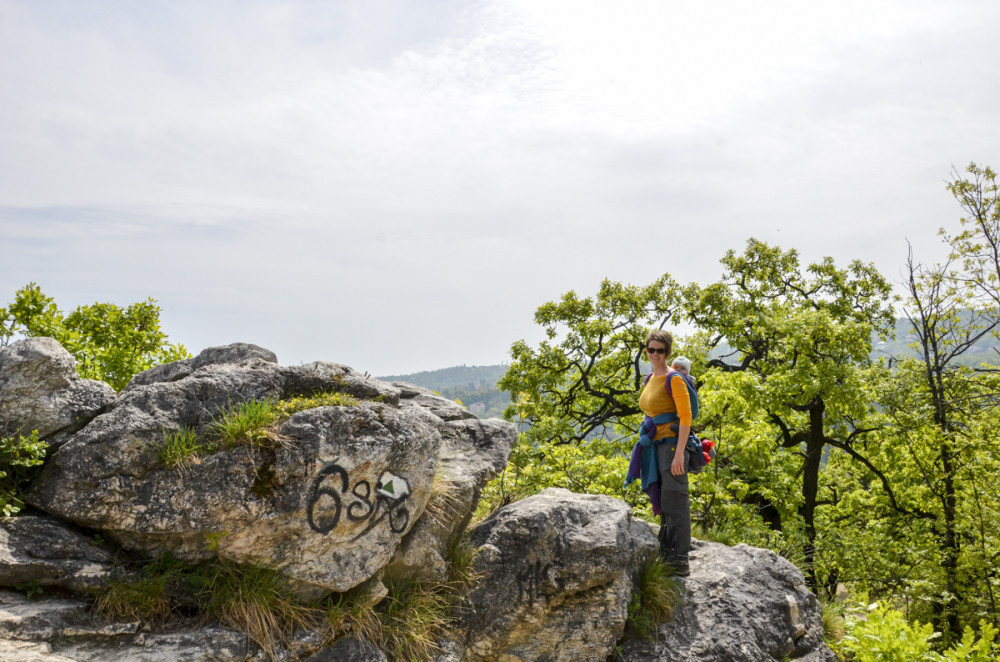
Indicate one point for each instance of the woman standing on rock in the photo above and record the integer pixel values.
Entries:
(664, 404)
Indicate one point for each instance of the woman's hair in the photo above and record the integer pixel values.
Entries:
(659, 335)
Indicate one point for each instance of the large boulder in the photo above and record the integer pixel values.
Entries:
(741, 604)
(326, 504)
(40, 390)
(557, 578)
(472, 453)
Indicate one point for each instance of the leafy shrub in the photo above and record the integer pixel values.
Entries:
(885, 635)
(20, 457)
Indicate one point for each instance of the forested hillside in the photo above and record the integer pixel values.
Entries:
(473, 386)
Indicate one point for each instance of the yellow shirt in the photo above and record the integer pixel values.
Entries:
(655, 400)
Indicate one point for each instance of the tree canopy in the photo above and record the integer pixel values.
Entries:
(109, 342)
(859, 470)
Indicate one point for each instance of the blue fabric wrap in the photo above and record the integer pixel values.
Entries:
(643, 464)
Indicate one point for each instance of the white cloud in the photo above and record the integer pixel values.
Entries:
(335, 179)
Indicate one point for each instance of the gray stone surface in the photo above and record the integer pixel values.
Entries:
(40, 390)
(41, 552)
(349, 649)
(472, 453)
(557, 578)
(741, 604)
(312, 507)
(61, 630)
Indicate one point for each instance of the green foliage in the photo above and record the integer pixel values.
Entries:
(20, 457)
(109, 342)
(595, 466)
(583, 379)
(970, 649)
(885, 635)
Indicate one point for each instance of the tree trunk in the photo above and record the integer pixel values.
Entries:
(810, 488)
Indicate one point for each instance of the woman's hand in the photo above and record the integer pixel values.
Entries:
(679, 467)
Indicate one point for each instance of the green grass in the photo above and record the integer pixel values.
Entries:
(655, 598)
(412, 618)
(148, 595)
(257, 602)
(249, 423)
(181, 448)
(407, 623)
(300, 403)
(246, 423)
(833, 621)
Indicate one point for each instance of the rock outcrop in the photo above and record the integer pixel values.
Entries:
(557, 578)
(39, 552)
(40, 390)
(334, 498)
(741, 604)
(327, 504)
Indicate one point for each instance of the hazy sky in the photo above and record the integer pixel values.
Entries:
(397, 185)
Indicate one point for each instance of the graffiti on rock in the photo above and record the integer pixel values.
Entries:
(334, 498)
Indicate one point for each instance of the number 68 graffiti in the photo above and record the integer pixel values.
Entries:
(386, 500)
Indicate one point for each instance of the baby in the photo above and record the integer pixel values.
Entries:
(682, 364)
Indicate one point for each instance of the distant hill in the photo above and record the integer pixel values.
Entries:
(474, 386)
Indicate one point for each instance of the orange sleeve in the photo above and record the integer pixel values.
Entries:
(682, 399)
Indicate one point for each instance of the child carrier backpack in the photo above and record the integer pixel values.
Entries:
(697, 455)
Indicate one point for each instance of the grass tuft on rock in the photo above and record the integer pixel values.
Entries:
(655, 598)
(406, 618)
(181, 448)
(246, 423)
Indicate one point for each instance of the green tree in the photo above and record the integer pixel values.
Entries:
(582, 380)
(109, 342)
(940, 408)
(802, 338)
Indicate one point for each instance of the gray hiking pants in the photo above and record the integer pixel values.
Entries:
(675, 520)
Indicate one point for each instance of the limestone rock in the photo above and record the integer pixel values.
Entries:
(62, 630)
(557, 578)
(472, 453)
(38, 551)
(349, 649)
(40, 390)
(233, 353)
(741, 604)
(326, 506)
(442, 407)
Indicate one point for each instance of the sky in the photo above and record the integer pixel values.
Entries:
(397, 185)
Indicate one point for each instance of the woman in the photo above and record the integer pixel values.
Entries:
(661, 409)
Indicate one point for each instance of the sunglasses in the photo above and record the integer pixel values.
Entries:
(656, 350)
